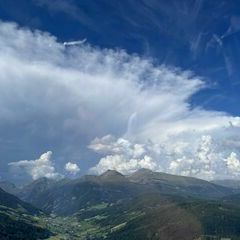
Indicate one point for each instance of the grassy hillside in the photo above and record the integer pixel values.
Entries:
(150, 217)
(15, 224)
(20, 220)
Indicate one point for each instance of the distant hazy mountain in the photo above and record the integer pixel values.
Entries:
(34, 188)
(9, 187)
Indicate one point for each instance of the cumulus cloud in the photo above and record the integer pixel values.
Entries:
(124, 156)
(204, 157)
(58, 96)
(72, 168)
(233, 163)
(42, 167)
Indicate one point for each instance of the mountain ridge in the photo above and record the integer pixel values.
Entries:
(68, 196)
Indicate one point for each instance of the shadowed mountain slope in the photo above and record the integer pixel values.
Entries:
(18, 220)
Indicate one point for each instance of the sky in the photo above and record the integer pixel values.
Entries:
(91, 86)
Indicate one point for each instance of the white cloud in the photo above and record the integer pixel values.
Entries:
(109, 144)
(204, 157)
(122, 155)
(233, 163)
(72, 168)
(69, 96)
(74, 43)
(42, 167)
(123, 164)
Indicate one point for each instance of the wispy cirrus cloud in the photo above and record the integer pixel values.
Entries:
(67, 7)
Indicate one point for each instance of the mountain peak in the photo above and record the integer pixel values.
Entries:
(112, 175)
(110, 172)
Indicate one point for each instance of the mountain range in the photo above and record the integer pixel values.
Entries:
(143, 205)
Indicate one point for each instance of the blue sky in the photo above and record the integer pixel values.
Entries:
(154, 85)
